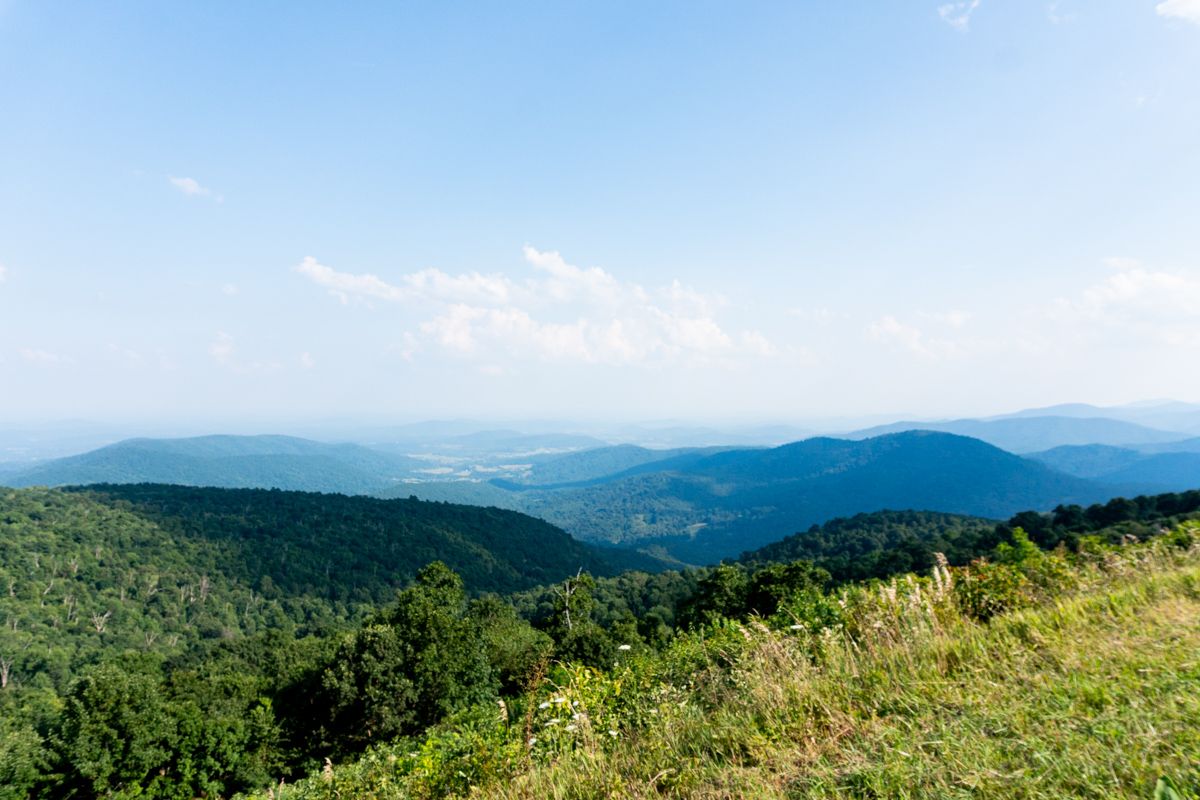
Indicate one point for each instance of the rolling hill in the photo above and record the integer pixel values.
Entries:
(1157, 468)
(1021, 434)
(1088, 460)
(278, 462)
(1168, 415)
(700, 508)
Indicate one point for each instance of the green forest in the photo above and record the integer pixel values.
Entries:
(173, 642)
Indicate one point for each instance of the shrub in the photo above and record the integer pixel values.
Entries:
(985, 589)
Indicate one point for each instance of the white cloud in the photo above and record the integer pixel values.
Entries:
(229, 289)
(307, 361)
(1141, 292)
(561, 313)
(1057, 17)
(1133, 305)
(343, 285)
(192, 188)
(222, 348)
(3, 273)
(891, 331)
(1188, 10)
(755, 342)
(189, 186)
(958, 15)
(38, 356)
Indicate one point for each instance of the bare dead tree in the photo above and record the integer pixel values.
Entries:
(100, 620)
(565, 591)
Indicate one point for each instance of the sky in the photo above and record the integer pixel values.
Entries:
(694, 210)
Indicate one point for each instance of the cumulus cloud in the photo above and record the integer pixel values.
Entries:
(958, 15)
(1138, 290)
(192, 188)
(892, 332)
(38, 356)
(1188, 10)
(1136, 304)
(560, 312)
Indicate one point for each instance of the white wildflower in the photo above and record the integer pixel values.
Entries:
(625, 647)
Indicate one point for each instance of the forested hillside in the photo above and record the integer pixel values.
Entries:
(884, 543)
(684, 505)
(361, 548)
(866, 690)
(702, 507)
(1171, 467)
(162, 568)
(167, 642)
(279, 462)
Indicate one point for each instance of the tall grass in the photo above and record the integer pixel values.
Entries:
(1084, 681)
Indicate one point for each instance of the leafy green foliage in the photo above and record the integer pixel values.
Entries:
(411, 666)
(876, 705)
(438, 693)
(883, 543)
(358, 549)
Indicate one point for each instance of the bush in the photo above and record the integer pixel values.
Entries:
(985, 589)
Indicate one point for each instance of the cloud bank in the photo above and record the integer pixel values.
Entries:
(561, 312)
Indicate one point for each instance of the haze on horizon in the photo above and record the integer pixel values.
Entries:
(685, 211)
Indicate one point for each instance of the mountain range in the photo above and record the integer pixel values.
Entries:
(278, 462)
(687, 504)
(699, 507)
(1035, 433)
(1164, 468)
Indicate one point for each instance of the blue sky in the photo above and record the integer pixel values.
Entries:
(695, 210)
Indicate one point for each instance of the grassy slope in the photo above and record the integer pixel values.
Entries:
(1093, 695)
